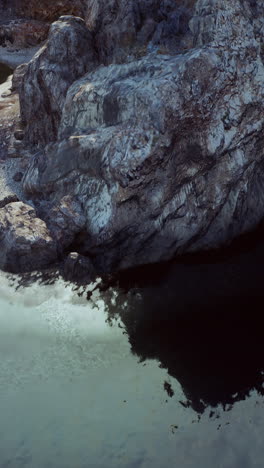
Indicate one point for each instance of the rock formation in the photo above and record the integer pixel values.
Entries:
(25, 241)
(67, 55)
(23, 33)
(151, 123)
(43, 10)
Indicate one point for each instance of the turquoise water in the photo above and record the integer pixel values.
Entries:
(108, 382)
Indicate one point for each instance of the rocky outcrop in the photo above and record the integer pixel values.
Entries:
(67, 55)
(23, 33)
(163, 154)
(43, 10)
(64, 219)
(25, 241)
(18, 76)
(121, 29)
(124, 29)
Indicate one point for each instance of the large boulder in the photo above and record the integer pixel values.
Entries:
(125, 29)
(65, 219)
(121, 28)
(25, 241)
(165, 154)
(67, 55)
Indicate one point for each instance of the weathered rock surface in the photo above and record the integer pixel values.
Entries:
(43, 10)
(65, 219)
(25, 242)
(125, 28)
(163, 155)
(23, 33)
(67, 55)
(18, 76)
(120, 28)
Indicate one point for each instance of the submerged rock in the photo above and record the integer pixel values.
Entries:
(25, 241)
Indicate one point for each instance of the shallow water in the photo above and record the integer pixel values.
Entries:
(166, 372)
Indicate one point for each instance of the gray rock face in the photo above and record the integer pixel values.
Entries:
(65, 219)
(18, 76)
(23, 33)
(124, 28)
(164, 155)
(67, 55)
(45, 10)
(25, 242)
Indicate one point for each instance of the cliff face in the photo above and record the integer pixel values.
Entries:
(161, 151)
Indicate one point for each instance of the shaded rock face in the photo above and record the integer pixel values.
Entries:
(23, 33)
(123, 28)
(25, 241)
(78, 268)
(67, 55)
(43, 10)
(18, 76)
(64, 219)
(163, 154)
(120, 28)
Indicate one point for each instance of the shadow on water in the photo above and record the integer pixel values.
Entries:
(202, 319)
(5, 71)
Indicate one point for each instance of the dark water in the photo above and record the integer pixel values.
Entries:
(163, 369)
(5, 71)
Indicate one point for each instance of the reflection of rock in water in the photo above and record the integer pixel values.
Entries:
(204, 323)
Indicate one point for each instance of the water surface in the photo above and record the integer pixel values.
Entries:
(159, 372)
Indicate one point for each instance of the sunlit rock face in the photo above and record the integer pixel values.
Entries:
(67, 55)
(25, 241)
(164, 152)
